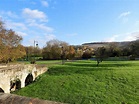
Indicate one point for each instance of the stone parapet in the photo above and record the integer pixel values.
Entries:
(15, 99)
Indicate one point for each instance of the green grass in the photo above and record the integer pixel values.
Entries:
(82, 82)
(47, 63)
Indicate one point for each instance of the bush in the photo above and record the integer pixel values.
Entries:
(86, 55)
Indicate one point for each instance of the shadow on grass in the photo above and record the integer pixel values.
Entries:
(72, 70)
(85, 68)
(94, 65)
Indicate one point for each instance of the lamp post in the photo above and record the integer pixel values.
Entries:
(27, 53)
(35, 45)
(62, 55)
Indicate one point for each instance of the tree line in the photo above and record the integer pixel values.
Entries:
(56, 50)
(11, 49)
(129, 50)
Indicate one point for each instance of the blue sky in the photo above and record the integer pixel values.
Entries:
(73, 21)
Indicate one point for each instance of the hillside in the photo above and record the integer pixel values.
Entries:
(105, 44)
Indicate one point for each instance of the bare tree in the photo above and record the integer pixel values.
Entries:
(53, 49)
(101, 54)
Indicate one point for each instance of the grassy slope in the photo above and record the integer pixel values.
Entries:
(82, 82)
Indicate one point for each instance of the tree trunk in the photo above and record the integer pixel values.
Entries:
(98, 62)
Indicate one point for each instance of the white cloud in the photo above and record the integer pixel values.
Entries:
(124, 37)
(41, 26)
(44, 3)
(124, 14)
(34, 14)
(50, 37)
(124, 17)
(111, 39)
(8, 14)
(15, 26)
(31, 26)
(45, 28)
(21, 33)
(131, 36)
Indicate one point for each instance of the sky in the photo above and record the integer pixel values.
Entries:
(73, 21)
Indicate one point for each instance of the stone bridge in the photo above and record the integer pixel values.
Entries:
(14, 77)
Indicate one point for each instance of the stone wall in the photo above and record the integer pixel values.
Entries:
(15, 99)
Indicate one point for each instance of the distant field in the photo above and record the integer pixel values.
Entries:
(47, 63)
(82, 82)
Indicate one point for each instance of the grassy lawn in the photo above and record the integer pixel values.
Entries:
(47, 63)
(82, 82)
